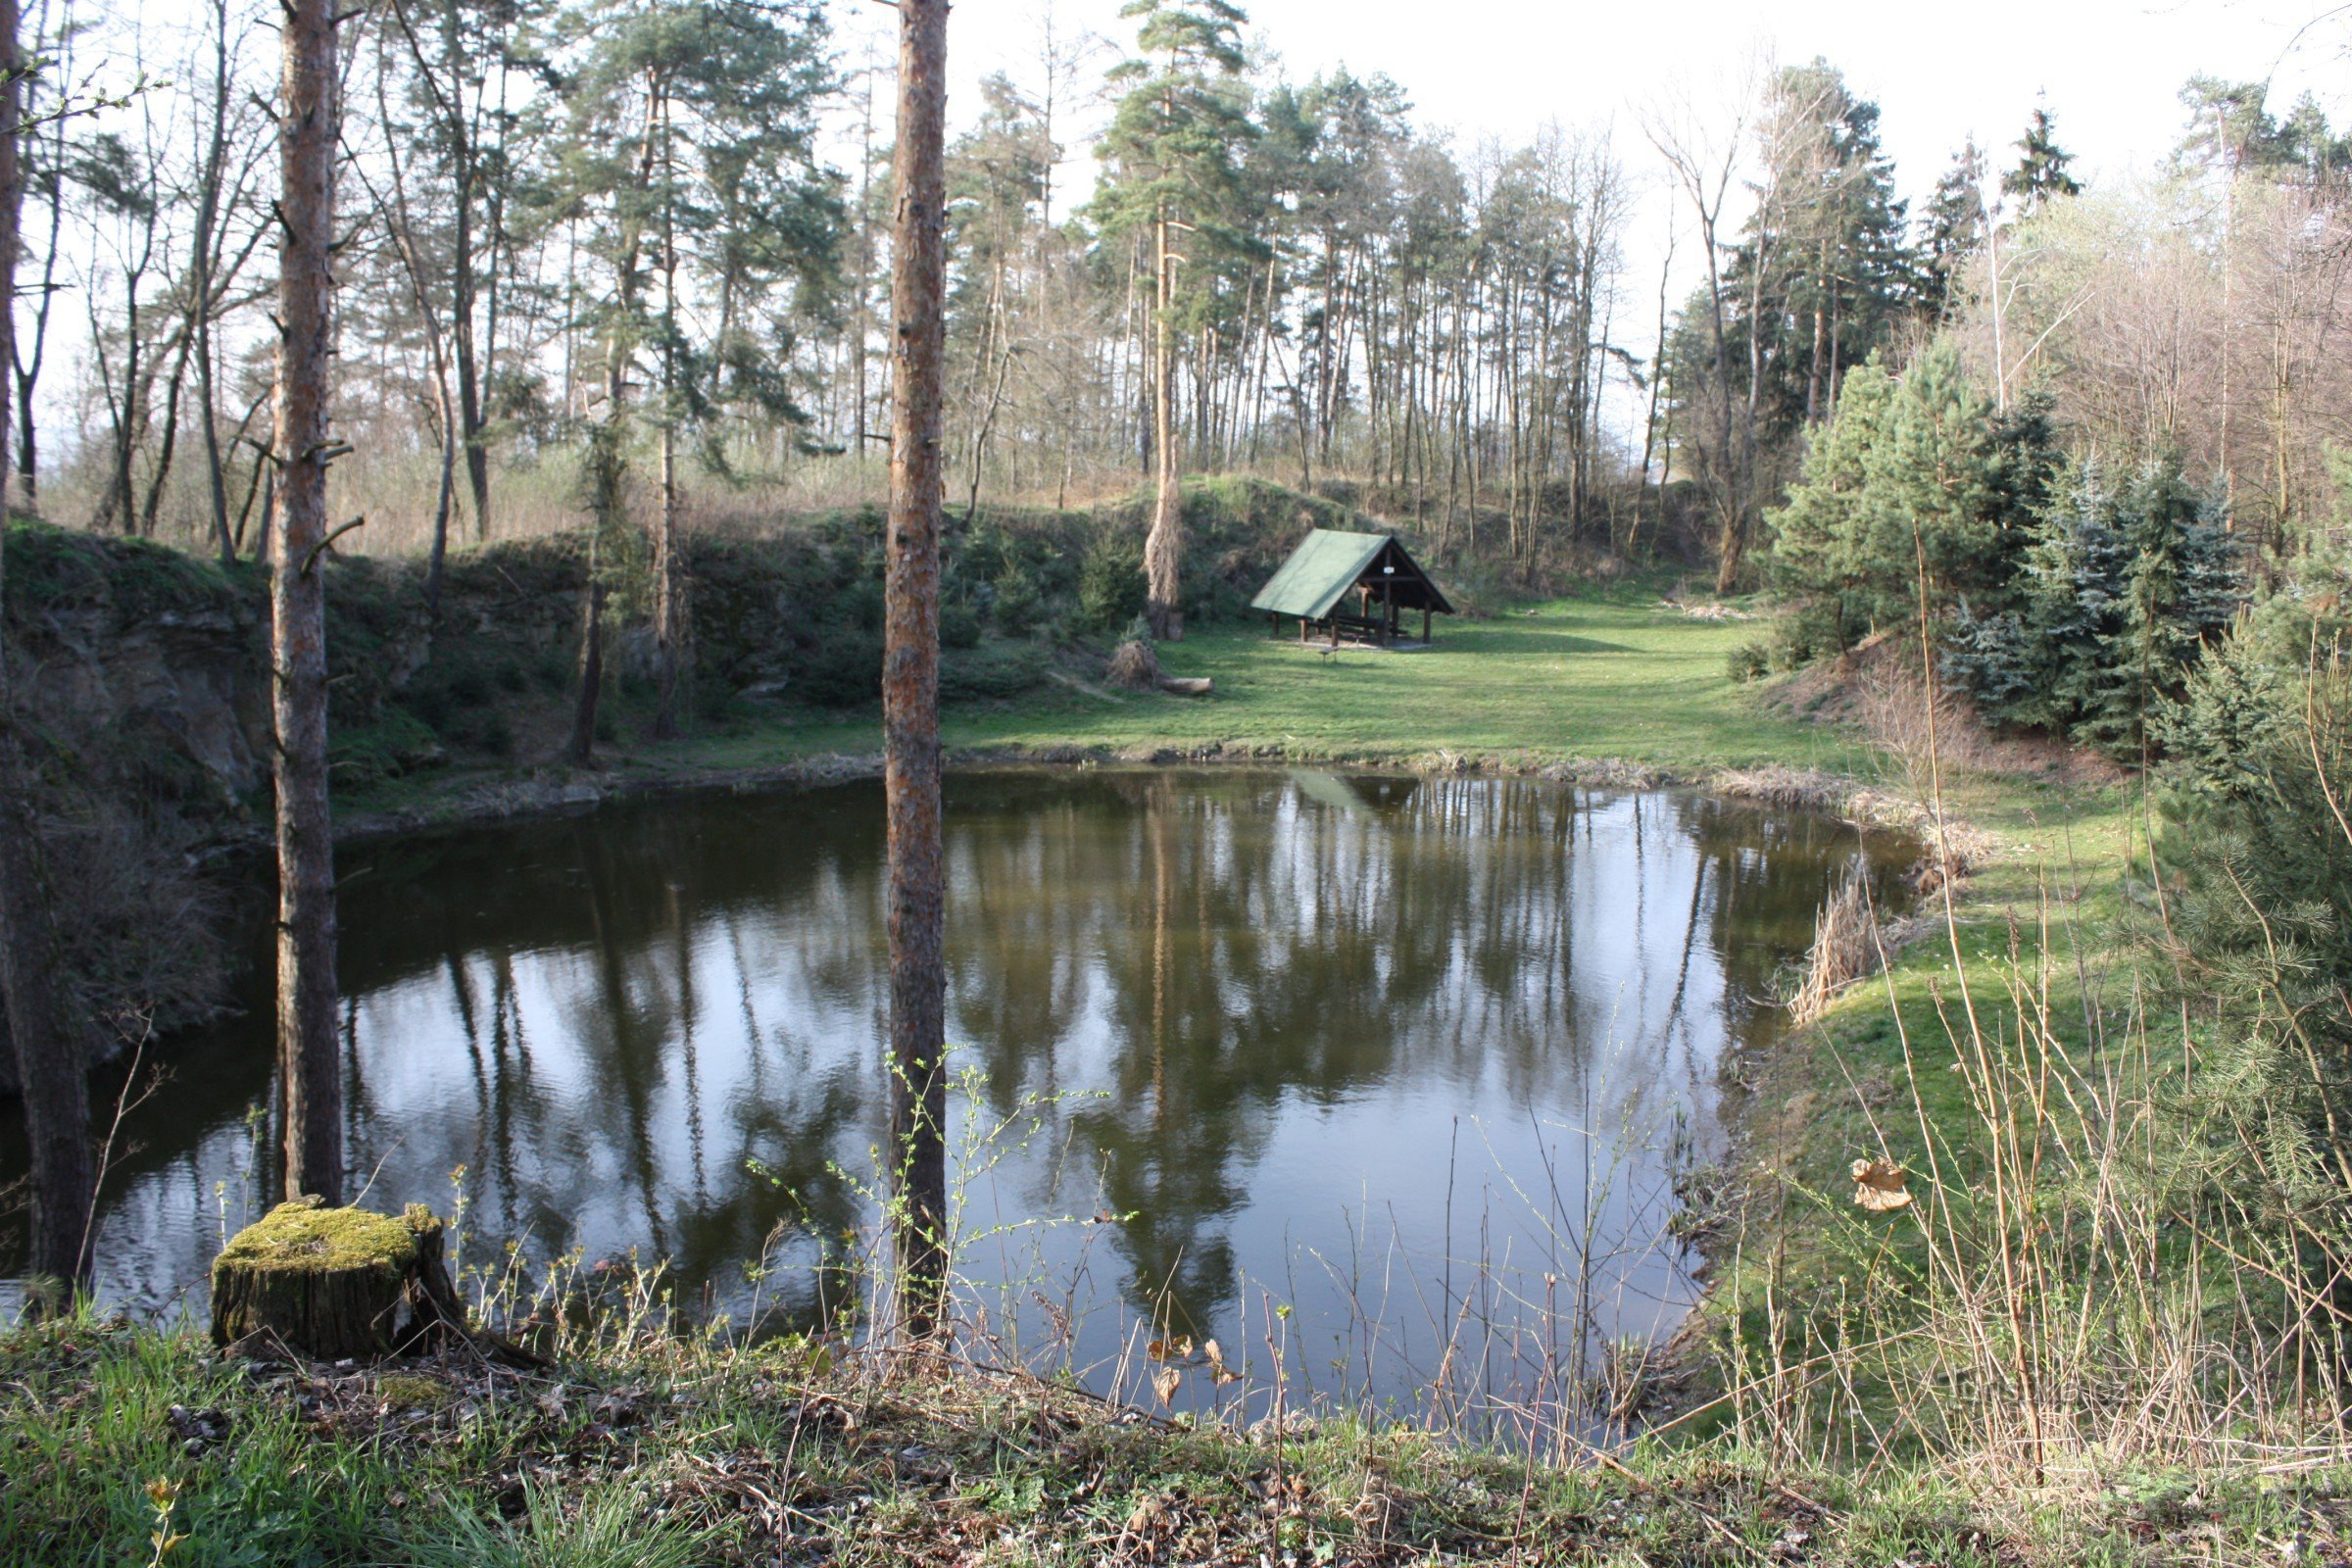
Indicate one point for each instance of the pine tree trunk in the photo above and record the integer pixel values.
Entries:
(1164, 547)
(910, 673)
(310, 1067)
(580, 749)
(668, 654)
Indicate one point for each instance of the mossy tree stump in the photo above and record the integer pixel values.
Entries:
(334, 1283)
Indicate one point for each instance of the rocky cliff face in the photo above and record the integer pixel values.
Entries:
(136, 664)
(141, 681)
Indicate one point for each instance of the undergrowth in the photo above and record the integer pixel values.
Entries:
(673, 1449)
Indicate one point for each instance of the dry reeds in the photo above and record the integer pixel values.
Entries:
(1134, 666)
(1846, 946)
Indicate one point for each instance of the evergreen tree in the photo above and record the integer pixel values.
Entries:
(2231, 131)
(1822, 272)
(2125, 584)
(1912, 473)
(1173, 179)
(1952, 234)
(2254, 842)
(690, 151)
(2042, 172)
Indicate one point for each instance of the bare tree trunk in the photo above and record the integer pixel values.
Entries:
(403, 230)
(1649, 420)
(862, 326)
(606, 478)
(1164, 547)
(666, 651)
(26, 362)
(48, 1047)
(580, 749)
(207, 249)
(918, 1099)
(310, 1065)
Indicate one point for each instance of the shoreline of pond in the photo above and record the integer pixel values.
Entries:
(566, 791)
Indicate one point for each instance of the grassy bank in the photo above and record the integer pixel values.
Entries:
(1614, 673)
(655, 1453)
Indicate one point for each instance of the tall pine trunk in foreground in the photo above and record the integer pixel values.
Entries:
(910, 673)
(1164, 546)
(310, 1072)
(39, 1019)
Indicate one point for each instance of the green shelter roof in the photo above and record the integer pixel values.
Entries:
(1327, 563)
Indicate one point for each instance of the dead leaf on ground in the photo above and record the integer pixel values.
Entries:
(1879, 1185)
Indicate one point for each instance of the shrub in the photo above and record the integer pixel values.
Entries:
(958, 624)
(1111, 583)
(1750, 661)
(844, 669)
(1017, 602)
(991, 669)
(1133, 666)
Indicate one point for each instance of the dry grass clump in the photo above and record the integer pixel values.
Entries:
(1789, 788)
(1134, 667)
(1847, 947)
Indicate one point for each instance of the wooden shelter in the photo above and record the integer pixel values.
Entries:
(1341, 583)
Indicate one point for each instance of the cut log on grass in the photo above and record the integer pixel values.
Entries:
(1187, 685)
(335, 1283)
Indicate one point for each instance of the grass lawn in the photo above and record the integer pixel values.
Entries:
(1613, 674)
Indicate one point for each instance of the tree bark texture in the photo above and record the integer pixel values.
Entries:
(1164, 546)
(910, 672)
(40, 1023)
(310, 1067)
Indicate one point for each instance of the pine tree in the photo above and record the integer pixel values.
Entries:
(35, 1014)
(2042, 171)
(1911, 472)
(918, 904)
(1822, 271)
(310, 1054)
(1174, 150)
(2253, 840)
(690, 151)
(1953, 233)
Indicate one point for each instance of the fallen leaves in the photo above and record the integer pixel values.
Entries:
(1880, 1185)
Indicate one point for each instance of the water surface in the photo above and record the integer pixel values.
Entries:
(1417, 1059)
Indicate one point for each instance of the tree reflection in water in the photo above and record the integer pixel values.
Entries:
(1389, 1050)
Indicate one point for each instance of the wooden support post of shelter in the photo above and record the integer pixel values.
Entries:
(1329, 566)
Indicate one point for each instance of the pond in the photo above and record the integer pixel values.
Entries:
(1390, 1079)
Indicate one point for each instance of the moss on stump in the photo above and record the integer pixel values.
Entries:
(333, 1283)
